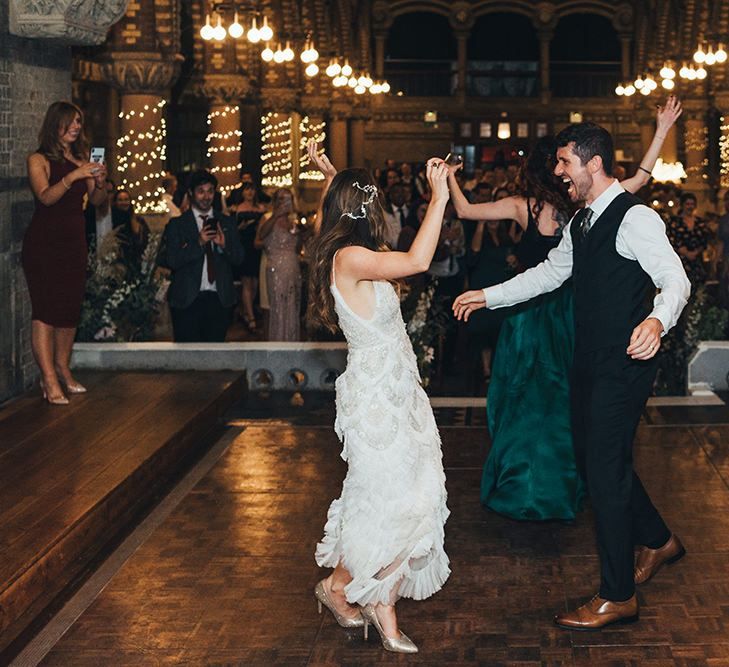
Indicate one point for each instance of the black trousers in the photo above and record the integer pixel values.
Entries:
(205, 320)
(609, 392)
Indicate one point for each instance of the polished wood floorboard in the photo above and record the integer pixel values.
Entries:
(72, 478)
(227, 579)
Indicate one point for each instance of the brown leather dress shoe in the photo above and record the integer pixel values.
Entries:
(598, 613)
(649, 561)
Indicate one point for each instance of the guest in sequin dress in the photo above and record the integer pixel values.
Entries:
(278, 235)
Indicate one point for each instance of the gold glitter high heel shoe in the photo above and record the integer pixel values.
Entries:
(403, 644)
(323, 599)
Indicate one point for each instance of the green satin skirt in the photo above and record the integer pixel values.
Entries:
(530, 473)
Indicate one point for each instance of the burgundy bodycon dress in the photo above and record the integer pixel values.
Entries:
(54, 254)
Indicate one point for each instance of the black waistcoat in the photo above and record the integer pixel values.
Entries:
(610, 290)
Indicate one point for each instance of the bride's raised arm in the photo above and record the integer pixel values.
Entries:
(322, 163)
(666, 116)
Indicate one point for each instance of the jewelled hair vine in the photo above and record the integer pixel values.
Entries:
(371, 192)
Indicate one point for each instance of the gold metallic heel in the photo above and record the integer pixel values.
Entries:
(403, 644)
(323, 599)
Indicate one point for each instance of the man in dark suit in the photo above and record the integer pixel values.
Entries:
(616, 251)
(201, 247)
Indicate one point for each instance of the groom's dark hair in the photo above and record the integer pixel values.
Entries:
(590, 139)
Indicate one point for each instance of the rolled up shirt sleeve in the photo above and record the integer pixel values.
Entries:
(642, 237)
(544, 277)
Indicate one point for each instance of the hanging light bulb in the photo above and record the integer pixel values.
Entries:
(278, 55)
(347, 68)
(385, 87)
(668, 84)
(376, 88)
(699, 55)
(692, 74)
(266, 33)
(305, 53)
(267, 53)
(254, 34)
(352, 83)
(667, 72)
(620, 89)
(683, 72)
(651, 83)
(339, 81)
(721, 54)
(701, 73)
(333, 69)
(362, 81)
(629, 90)
(207, 32)
(235, 29)
(360, 90)
(710, 57)
(220, 31)
(288, 52)
(312, 69)
(646, 90)
(639, 83)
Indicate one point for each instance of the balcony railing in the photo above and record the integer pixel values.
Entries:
(439, 78)
(583, 79)
(421, 78)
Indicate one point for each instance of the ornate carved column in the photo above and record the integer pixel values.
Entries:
(381, 24)
(278, 146)
(143, 63)
(626, 42)
(545, 39)
(695, 145)
(224, 93)
(380, 37)
(544, 22)
(461, 21)
(721, 100)
(340, 111)
(67, 21)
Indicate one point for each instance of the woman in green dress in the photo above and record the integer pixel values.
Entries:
(530, 473)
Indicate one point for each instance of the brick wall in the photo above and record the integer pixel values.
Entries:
(33, 73)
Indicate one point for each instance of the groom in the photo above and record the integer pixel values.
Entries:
(615, 249)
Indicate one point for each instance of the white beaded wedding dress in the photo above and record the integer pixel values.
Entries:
(387, 527)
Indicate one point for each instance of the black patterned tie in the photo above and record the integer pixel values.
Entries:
(586, 222)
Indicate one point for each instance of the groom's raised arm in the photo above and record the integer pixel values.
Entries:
(544, 277)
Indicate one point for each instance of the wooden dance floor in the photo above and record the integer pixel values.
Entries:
(227, 577)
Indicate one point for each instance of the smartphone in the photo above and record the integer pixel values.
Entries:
(97, 155)
(211, 224)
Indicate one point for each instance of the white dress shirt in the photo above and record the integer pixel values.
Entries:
(393, 224)
(205, 284)
(641, 237)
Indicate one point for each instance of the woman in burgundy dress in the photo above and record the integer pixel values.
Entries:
(54, 247)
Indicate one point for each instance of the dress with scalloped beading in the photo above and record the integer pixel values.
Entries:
(387, 527)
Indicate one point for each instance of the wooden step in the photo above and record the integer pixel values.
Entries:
(74, 479)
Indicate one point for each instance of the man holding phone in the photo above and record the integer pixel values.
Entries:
(201, 249)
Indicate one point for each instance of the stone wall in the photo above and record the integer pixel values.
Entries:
(33, 73)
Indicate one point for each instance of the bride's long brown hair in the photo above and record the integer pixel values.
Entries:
(338, 230)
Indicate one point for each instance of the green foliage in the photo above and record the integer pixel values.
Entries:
(122, 298)
(701, 320)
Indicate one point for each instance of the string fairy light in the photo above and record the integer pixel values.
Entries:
(724, 153)
(276, 150)
(308, 131)
(226, 143)
(144, 147)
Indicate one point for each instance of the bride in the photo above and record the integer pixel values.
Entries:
(384, 534)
